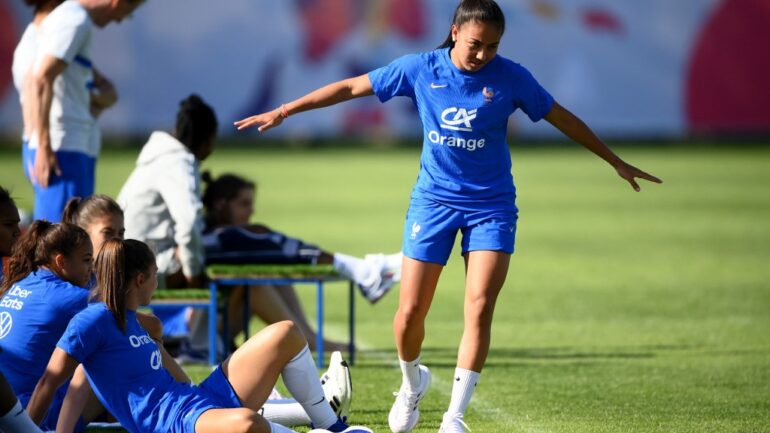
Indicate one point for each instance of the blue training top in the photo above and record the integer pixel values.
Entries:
(33, 316)
(465, 160)
(126, 372)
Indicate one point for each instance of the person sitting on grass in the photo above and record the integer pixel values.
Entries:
(126, 371)
(44, 287)
(13, 417)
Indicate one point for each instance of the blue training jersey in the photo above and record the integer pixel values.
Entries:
(33, 316)
(126, 372)
(465, 160)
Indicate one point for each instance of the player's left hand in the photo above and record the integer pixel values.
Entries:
(630, 173)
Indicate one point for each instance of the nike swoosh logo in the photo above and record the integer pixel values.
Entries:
(21, 410)
(437, 86)
(323, 399)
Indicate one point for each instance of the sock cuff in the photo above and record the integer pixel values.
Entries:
(15, 409)
(301, 353)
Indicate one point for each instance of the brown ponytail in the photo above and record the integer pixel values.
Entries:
(82, 211)
(38, 245)
(117, 264)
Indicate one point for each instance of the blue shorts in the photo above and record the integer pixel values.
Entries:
(215, 392)
(52, 417)
(431, 228)
(77, 180)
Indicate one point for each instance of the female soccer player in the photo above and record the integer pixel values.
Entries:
(13, 417)
(44, 288)
(125, 368)
(464, 93)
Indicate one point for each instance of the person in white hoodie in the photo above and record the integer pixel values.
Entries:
(161, 198)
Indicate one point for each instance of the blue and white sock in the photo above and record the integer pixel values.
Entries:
(17, 421)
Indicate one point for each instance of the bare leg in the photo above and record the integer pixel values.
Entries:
(485, 275)
(269, 304)
(418, 285)
(241, 420)
(254, 368)
(290, 299)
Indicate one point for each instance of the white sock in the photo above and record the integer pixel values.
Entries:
(462, 390)
(17, 421)
(411, 372)
(277, 428)
(285, 411)
(301, 379)
(356, 269)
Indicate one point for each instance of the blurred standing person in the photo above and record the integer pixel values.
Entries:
(61, 95)
(464, 93)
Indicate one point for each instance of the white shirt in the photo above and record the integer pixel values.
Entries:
(66, 35)
(162, 205)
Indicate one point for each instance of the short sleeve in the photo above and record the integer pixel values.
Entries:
(531, 97)
(397, 78)
(65, 35)
(82, 336)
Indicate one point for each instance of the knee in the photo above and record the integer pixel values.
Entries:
(410, 315)
(289, 333)
(247, 421)
(480, 308)
(151, 324)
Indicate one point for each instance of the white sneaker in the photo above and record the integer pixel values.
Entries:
(337, 385)
(388, 270)
(404, 414)
(453, 423)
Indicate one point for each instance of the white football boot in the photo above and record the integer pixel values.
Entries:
(404, 413)
(338, 386)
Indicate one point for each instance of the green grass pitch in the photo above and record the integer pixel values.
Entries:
(622, 312)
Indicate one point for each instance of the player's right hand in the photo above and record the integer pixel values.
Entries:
(266, 121)
(45, 164)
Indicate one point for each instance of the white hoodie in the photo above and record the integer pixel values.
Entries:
(162, 205)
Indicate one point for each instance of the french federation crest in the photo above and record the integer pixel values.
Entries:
(488, 93)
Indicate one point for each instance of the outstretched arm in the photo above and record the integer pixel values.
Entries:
(578, 131)
(325, 96)
(60, 368)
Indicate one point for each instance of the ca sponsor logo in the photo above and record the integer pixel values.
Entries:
(457, 119)
(6, 323)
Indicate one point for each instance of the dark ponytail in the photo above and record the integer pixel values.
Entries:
(196, 123)
(37, 247)
(483, 11)
(43, 5)
(117, 264)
